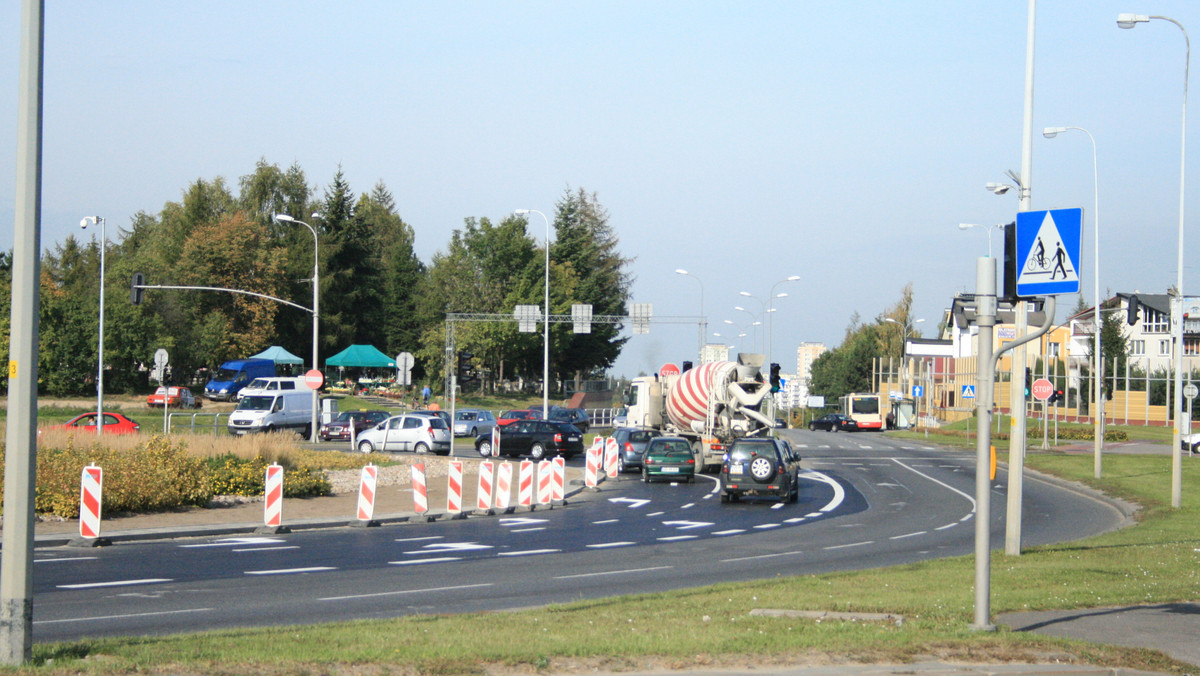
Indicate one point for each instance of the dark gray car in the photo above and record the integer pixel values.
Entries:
(631, 444)
(766, 467)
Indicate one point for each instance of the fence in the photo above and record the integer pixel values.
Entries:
(215, 425)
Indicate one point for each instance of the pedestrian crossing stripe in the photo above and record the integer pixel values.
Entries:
(1048, 244)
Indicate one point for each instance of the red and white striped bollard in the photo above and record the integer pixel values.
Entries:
(366, 492)
(420, 494)
(91, 490)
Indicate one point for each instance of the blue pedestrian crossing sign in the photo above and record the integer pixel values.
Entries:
(968, 391)
(1048, 244)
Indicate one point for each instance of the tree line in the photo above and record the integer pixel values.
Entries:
(374, 288)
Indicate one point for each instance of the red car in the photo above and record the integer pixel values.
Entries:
(176, 397)
(114, 423)
(512, 416)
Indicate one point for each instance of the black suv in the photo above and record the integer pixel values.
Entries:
(760, 467)
(537, 438)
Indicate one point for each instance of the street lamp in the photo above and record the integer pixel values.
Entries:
(771, 318)
(100, 351)
(316, 284)
(987, 230)
(1097, 361)
(1129, 21)
(546, 314)
(703, 319)
(740, 334)
(762, 311)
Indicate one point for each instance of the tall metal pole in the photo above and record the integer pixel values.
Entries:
(316, 311)
(985, 298)
(771, 317)
(703, 318)
(20, 462)
(546, 319)
(100, 350)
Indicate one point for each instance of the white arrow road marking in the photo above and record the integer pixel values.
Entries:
(234, 542)
(114, 583)
(687, 525)
(632, 502)
(521, 521)
(839, 494)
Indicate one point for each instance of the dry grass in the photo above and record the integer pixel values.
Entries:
(270, 447)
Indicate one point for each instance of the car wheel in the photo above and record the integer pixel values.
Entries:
(835, 428)
(474, 431)
(485, 448)
(812, 427)
(645, 476)
(762, 469)
(365, 447)
(537, 451)
(724, 497)
(620, 464)
(421, 448)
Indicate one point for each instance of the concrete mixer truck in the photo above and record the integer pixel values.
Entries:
(710, 405)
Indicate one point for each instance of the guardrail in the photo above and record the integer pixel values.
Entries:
(216, 425)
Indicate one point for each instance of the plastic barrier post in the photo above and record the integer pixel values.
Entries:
(544, 482)
(483, 490)
(420, 495)
(558, 490)
(504, 487)
(525, 491)
(366, 495)
(610, 457)
(273, 501)
(454, 489)
(90, 493)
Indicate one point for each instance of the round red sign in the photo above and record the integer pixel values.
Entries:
(1042, 389)
(668, 370)
(314, 379)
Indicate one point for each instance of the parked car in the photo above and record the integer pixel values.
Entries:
(408, 432)
(339, 428)
(271, 386)
(631, 444)
(668, 458)
(834, 422)
(174, 397)
(760, 467)
(444, 415)
(536, 438)
(114, 423)
(473, 422)
(507, 417)
(576, 416)
(1190, 443)
(278, 412)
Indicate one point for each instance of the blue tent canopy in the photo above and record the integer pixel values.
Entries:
(278, 355)
(362, 356)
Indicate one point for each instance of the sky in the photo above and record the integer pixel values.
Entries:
(745, 142)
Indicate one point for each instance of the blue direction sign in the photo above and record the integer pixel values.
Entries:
(918, 390)
(1048, 244)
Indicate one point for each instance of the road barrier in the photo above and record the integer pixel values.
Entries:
(273, 498)
(592, 467)
(420, 495)
(366, 492)
(525, 488)
(483, 491)
(454, 487)
(558, 491)
(216, 425)
(610, 457)
(504, 486)
(544, 482)
(91, 489)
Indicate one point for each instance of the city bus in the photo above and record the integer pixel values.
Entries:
(864, 408)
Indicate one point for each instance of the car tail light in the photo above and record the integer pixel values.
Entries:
(692, 461)
(557, 438)
(628, 447)
(649, 460)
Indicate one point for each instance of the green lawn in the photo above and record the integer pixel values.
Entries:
(1155, 561)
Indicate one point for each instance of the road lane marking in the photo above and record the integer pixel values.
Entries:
(656, 513)
(114, 583)
(265, 549)
(233, 542)
(527, 530)
(104, 618)
(632, 502)
(400, 592)
(764, 526)
(949, 525)
(730, 532)
(673, 538)
(521, 521)
(778, 505)
(73, 558)
(291, 571)
(908, 535)
(760, 556)
(444, 547)
(529, 552)
(796, 519)
(612, 572)
(421, 539)
(604, 545)
(418, 562)
(606, 521)
(688, 505)
(853, 544)
(688, 525)
(940, 483)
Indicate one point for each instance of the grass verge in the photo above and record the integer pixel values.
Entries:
(1155, 561)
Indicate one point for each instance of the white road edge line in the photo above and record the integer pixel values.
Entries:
(526, 552)
(603, 545)
(760, 556)
(612, 572)
(99, 618)
(406, 591)
(290, 571)
(417, 562)
(114, 583)
(853, 544)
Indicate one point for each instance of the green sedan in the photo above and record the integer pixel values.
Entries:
(668, 458)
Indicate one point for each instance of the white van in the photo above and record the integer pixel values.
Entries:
(272, 386)
(272, 412)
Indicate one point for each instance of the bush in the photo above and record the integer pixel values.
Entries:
(232, 475)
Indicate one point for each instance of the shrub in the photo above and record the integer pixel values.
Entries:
(233, 475)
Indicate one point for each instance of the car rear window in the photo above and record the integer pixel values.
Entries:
(642, 435)
(742, 450)
(437, 423)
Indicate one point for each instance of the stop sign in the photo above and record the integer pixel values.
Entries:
(1042, 389)
(314, 379)
(668, 370)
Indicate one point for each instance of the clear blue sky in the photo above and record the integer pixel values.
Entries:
(743, 141)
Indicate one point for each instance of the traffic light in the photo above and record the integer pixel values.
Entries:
(1056, 397)
(775, 378)
(1028, 382)
(135, 288)
(466, 371)
(687, 366)
(1132, 311)
(1010, 265)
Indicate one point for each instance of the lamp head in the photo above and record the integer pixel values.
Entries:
(284, 218)
(1051, 132)
(998, 188)
(680, 271)
(744, 293)
(965, 226)
(739, 307)
(520, 212)
(1131, 20)
(794, 278)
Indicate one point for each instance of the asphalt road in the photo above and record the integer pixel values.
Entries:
(867, 500)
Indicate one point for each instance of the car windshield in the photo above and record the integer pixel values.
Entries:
(255, 403)
(257, 382)
(465, 415)
(674, 447)
(224, 375)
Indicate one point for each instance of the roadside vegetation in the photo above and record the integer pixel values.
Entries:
(1155, 561)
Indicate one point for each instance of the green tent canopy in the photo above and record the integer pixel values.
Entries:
(361, 356)
(278, 355)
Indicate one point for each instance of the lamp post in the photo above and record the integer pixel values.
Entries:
(703, 319)
(1097, 360)
(740, 334)
(546, 315)
(987, 229)
(316, 299)
(762, 305)
(100, 351)
(771, 317)
(1129, 21)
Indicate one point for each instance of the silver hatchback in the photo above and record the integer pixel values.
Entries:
(408, 432)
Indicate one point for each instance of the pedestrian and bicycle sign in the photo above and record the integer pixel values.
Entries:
(1048, 247)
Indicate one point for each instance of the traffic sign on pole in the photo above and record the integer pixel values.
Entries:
(1042, 389)
(1048, 244)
